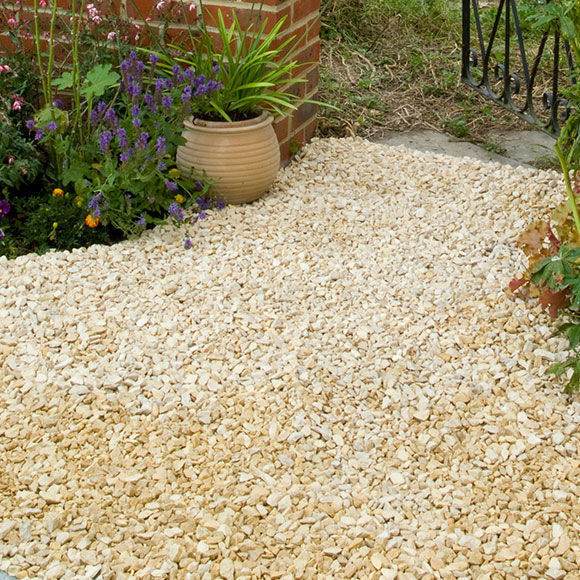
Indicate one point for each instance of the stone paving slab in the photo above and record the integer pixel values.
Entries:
(522, 148)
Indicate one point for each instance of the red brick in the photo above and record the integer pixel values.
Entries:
(302, 8)
(305, 112)
(307, 57)
(285, 154)
(281, 127)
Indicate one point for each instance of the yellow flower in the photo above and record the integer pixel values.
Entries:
(91, 221)
(54, 225)
(174, 173)
(179, 198)
(57, 192)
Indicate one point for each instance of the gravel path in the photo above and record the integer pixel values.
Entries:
(331, 384)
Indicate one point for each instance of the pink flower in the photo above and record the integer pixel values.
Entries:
(12, 22)
(4, 68)
(111, 35)
(17, 103)
(10, 159)
(42, 3)
(192, 7)
(160, 5)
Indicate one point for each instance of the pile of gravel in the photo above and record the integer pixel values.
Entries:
(332, 383)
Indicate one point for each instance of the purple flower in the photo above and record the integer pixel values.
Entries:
(39, 135)
(141, 221)
(171, 185)
(216, 68)
(161, 146)
(30, 124)
(202, 215)
(150, 101)
(159, 84)
(176, 212)
(125, 65)
(153, 59)
(220, 204)
(142, 141)
(168, 84)
(4, 208)
(166, 102)
(189, 74)
(177, 74)
(126, 155)
(58, 103)
(51, 126)
(123, 141)
(139, 66)
(111, 117)
(105, 141)
(101, 106)
(187, 243)
(94, 117)
(134, 90)
(135, 110)
(95, 205)
(161, 166)
(136, 122)
(186, 94)
(198, 186)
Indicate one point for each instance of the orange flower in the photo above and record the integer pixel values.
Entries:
(57, 192)
(91, 221)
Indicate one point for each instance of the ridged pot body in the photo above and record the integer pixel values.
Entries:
(243, 157)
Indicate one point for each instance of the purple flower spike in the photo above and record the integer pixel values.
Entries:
(187, 243)
(30, 124)
(186, 94)
(39, 135)
(153, 59)
(166, 102)
(122, 135)
(142, 141)
(105, 141)
(161, 146)
(176, 212)
(51, 126)
(171, 186)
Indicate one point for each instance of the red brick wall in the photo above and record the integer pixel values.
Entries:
(302, 21)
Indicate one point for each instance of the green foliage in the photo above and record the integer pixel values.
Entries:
(251, 67)
(457, 127)
(19, 159)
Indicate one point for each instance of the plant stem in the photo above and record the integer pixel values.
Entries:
(51, 53)
(569, 190)
(38, 53)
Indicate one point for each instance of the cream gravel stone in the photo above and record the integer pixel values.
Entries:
(332, 383)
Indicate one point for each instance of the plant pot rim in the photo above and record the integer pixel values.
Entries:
(265, 118)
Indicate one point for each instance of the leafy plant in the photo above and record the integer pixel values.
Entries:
(251, 68)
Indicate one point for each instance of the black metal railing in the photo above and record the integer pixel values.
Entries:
(500, 70)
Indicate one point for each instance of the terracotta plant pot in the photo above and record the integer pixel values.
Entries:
(243, 157)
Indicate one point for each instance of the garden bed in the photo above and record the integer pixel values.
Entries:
(331, 382)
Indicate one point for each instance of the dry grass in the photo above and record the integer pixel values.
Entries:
(401, 73)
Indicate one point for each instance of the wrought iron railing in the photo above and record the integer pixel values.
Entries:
(501, 71)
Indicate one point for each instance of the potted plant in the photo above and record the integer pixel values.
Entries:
(230, 135)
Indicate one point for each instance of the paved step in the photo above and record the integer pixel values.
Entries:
(522, 148)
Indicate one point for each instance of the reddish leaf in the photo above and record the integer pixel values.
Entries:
(516, 283)
(554, 241)
(553, 301)
(532, 239)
